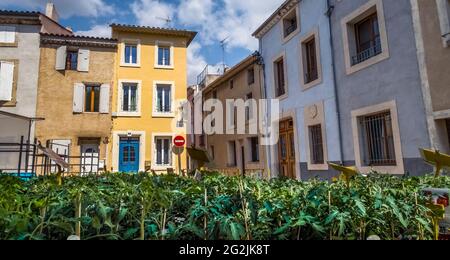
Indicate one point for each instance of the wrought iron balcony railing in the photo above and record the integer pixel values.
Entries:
(374, 50)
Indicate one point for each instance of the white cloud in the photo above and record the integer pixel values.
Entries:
(195, 62)
(97, 31)
(195, 12)
(66, 8)
(236, 19)
(152, 12)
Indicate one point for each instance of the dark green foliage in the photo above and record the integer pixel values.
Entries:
(120, 206)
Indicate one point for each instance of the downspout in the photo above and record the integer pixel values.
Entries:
(330, 9)
(261, 62)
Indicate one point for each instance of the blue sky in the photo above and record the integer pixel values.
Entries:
(215, 20)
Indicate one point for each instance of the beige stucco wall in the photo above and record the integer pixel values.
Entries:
(220, 142)
(55, 100)
(437, 57)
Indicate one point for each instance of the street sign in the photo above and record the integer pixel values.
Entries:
(179, 141)
(178, 150)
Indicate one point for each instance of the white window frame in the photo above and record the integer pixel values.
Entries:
(390, 106)
(170, 46)
(347, 26)
(126, 42)
(156, 136)
(12, 100)
(155, 112)
(4, 30)
(443, 7)
(285, 39)
(122, 113)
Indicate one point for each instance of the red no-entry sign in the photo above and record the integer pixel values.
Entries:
(179, 141)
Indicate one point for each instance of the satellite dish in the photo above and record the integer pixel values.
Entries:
(437, 159)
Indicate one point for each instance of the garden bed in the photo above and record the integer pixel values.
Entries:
(119, 206)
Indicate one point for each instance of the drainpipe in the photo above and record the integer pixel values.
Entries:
(266, 116)
(329, 13)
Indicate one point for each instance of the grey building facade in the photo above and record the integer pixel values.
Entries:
(382, 110)
(19, 70)
(296, 48)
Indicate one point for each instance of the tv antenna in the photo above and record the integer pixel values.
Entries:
(168, 20)
(223, 44)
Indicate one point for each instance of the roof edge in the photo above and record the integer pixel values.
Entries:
(274, 17)
(190, 35)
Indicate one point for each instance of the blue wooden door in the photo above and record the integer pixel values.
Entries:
(129, 155)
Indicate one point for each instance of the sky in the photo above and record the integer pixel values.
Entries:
(214, 20)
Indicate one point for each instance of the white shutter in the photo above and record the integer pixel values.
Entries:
(7, 34)
(78, 98)
(6, 80)
(61, 56)
(83, 60)
(104, 98)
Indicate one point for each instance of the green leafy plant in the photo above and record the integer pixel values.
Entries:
(149, 207)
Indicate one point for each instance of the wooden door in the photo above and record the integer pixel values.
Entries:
(286, 149)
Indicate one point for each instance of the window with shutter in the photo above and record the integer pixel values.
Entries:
(104, 98)
(7, 34)
(61, 58)
(71, 60)
(6, 80)
(78, 98)
(83, 60)
(92, 99)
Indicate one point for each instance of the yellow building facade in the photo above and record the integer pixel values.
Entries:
(150, 82)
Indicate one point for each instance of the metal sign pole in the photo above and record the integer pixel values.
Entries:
(179, 165)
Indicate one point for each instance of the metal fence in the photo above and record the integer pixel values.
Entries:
(26, 160)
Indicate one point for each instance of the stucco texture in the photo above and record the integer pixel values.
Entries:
(55, 100)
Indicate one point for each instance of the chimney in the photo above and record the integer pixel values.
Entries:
(50, 11)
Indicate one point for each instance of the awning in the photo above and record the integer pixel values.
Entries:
(8, 114)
